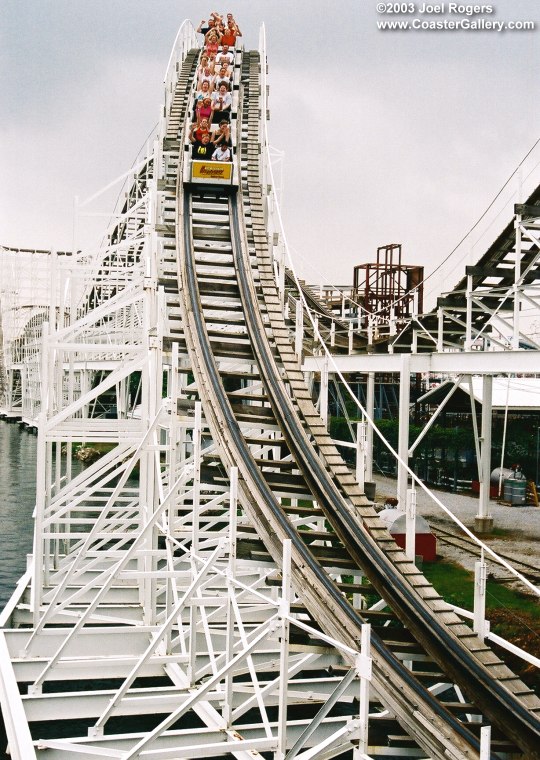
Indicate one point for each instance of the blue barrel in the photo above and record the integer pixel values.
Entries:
(515, 491)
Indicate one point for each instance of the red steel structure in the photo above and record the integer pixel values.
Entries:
(388, 287)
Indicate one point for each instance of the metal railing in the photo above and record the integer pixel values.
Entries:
(185, 41)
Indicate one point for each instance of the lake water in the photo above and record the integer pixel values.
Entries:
(17, 499)
(18, 450)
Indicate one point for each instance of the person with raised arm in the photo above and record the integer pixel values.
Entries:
(232, 31)
(212, 42)
(212, 23)
(205, 26)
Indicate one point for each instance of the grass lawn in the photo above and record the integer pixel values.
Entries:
(456, 585)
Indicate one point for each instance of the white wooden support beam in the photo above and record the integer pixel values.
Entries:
(410, 524)
(281, 274)
(468, 318)
(485, 743)
(41, 484)
(484, 520)
(284, 612)
(151, 381)
(323, 392)
(21, 746)
(516, 286)
(392, 328)
(197, 439)
(370, 409)
(53, 382)
(403, 435)
(480, 576)
(231, 574)
(173, 454)
(363, 670)
(474, 423)
(195, 516)
(361, 454)
(299, 332)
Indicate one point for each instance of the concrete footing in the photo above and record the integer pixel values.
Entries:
(483, 524)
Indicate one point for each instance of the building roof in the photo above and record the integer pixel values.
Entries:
(518, 393)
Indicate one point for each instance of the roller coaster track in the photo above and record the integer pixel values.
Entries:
(223, 328)
(490, 282)
(355, 530)
(334, 331)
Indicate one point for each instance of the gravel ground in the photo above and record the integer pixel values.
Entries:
(516, 529)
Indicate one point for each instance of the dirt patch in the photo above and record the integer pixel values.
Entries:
(524, 632)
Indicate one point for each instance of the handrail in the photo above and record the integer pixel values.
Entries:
(185, 41)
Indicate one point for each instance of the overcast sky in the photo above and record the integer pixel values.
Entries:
(389, 137)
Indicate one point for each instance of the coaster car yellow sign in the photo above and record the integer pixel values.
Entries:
(211, 171)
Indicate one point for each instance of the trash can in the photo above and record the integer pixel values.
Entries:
(515, 491)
